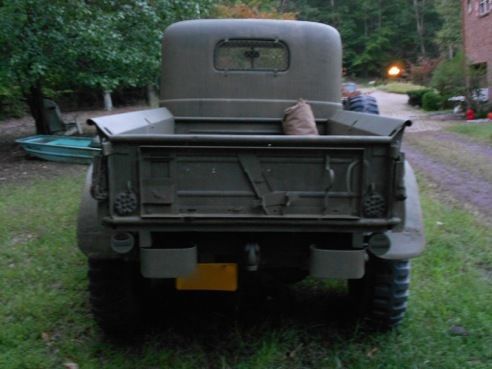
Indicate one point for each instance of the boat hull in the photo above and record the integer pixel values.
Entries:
(65, 149)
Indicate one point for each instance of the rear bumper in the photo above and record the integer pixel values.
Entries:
(258, 224)
(323, 263)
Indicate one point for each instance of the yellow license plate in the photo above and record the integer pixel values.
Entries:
(210, 277)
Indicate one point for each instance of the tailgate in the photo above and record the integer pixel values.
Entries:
(256, 182)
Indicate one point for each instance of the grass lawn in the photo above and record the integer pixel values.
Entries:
(45, 320)
(456, 154)
(479, 131)
(400, 87)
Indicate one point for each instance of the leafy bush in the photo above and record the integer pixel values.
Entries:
(449, 77)
(482, 110)
(11, 104)
(431, 101)
(415, 97)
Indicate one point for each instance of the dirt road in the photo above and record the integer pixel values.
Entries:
(460, 167)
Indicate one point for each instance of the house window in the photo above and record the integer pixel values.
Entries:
(251, 55)
(484, 7)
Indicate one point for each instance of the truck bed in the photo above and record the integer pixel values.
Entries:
(349, 174)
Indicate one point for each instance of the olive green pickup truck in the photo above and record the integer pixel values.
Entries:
(207, 191)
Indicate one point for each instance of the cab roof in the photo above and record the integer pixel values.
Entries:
(196, 80)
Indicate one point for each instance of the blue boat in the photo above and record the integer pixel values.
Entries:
(60, 148)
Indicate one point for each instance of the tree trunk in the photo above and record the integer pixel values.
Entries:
(152, 98)
(108, 101)
(34, 100)
(450, 51)
(419, 18)
(334, 15)
(380, 14)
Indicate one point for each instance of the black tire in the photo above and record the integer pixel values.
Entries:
(116, 295)
(363, 104)
(381, 296)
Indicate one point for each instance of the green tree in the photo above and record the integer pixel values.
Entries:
(377, 32)
(449, 35)
(33, 41)
(121, 40)
(103, 44)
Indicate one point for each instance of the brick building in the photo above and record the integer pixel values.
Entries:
(477, 37)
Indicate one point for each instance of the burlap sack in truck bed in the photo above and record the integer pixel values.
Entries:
(299, 120)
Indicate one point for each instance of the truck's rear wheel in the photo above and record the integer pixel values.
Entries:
(381, 295)
(363, 104)
(115, 289)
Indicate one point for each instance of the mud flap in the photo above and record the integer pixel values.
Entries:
(93, 239)
(410, 241)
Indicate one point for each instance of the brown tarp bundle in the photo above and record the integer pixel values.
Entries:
(299, 120)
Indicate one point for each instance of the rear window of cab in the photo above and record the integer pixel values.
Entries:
(251, 55)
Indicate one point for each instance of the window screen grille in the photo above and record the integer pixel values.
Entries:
(251, 55)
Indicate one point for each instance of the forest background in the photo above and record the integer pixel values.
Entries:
(76, 51)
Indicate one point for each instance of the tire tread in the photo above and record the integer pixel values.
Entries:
(114, 295)
(382, 295)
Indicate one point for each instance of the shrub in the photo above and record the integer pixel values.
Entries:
(483, 110)
(415, 97)
(431, 101)
(11, 104)
(449, 77)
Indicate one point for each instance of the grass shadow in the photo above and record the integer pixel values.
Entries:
(235, 327)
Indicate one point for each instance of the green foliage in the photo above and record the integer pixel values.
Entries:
(415, 97)
(449, 36)
(107, 44)
(482, 109)
(11, 104)
(432, 101)
(103, 44)
(119, 42)
(32, 40)
(449, 77)
(375, 33)
(455, 77)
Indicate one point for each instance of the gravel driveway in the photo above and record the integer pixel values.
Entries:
(459, 166)
(395, 105)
